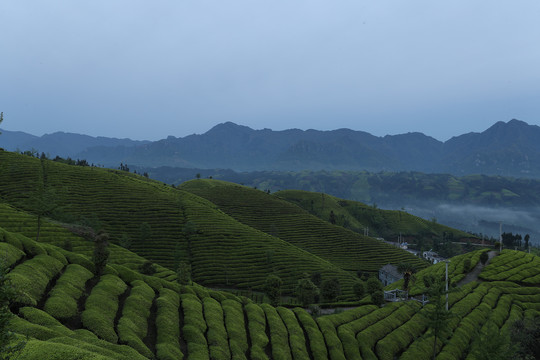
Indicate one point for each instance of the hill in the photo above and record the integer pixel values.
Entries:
(476, 203)
(359, 217)
(66, 312)
(271, 214)
(154, 217)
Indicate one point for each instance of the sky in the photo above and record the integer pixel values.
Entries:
(149, 69)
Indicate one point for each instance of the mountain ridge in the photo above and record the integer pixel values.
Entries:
(506, 149)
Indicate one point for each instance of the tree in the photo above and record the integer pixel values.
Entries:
(330, 289)
(435, 312)
(147, 268)
(306, 291)
(466, 265)
(125, 241)
(527, 238)
(1, 119)
(492, 344)
(359, 289)
(183, 273)
(272, 288)
(484, 257)
(101, 253)
(189, 229)
(332, 217)
(377, 298)
(526, 334)
(316, 278)
(373, 285)
(8, 295)
(408, 270)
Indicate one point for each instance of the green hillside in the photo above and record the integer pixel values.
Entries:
(271, 214)
(64, 312)
(223, 252)
(358, 216)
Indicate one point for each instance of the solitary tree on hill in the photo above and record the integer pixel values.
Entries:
(273, 289)
(1, 119)
(330, 289)
(408, 271)
(306, 291)
(435, 313)
(101, 253)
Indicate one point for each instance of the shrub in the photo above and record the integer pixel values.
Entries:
(236, 328)
(297, 341)
(257, 331)
(273, 289)
(31, 278)
(484, 257)
(466, 265)
(101, 307)
(147, 268)
(377, 298)
(373, 285)
(133, 325)
(167, 321)
(316, 339)
(218, 343)
(330, 289)
(62, 301)
(306, 291)
(279, 338)
(359, 289)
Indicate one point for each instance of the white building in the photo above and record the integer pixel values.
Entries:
(432, 257)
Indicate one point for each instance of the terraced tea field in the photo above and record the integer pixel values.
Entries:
(122, 202)
(67, 313)
(270, 214)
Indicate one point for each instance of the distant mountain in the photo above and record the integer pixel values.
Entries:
(507, 149)
(60, 143)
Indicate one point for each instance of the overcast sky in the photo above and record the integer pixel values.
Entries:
(148, 69)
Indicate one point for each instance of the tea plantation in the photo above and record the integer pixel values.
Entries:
(64, 312)
(233, 237)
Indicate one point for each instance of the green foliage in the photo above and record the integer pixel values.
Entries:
(330, 289)
(147, 268)
(278, 334)
(484, 257)
(297, 341)
(101, 307)
(183, 273)
(373, 285)
(9, 347)
(236, 328)
(316, 339)
(167, 323)
(133, 324)
(306, 291)
(359, 289)
(30, 279)
(257, 331)
(62, 301)
(273, 289)
(195, 326)
(377, 298)
(125, 241)
(101, 253)
(218, 342)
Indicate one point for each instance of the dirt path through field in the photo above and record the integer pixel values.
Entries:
(473, 275)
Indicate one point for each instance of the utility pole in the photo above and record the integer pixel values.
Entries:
(500, 236)
(447, 261)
